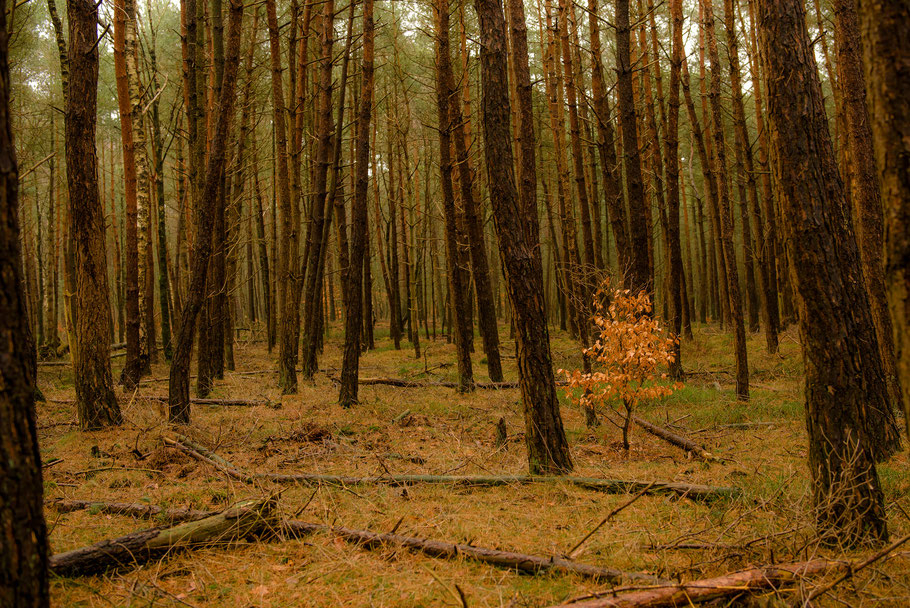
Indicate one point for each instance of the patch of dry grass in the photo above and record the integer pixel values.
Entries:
(449, 433)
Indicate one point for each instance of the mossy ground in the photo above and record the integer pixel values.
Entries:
(452, 433)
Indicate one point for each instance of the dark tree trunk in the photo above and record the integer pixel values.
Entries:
(316, 232)
(753, 224)
(864, 187)
(458, 282)
(179, 383)
(606, 147)
(95, 400)
(564, 13)
(486, 307)
(639, 275)
(676, 294)
(726, 213)
(353, 321)
(886, 46)
(23, 560)
(548, 450)
(287, 256)
(847, 407)
(395, 320)
(769, 242)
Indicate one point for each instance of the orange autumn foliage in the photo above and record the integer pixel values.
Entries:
(626, 357)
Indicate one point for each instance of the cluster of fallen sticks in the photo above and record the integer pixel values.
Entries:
(259, 519)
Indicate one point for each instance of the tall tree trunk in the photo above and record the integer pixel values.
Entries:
(336, 185)
(96, 403)
(319, 218)
(548, 450)
(571, 269)
(164, 292)
(140, 156)
(752, 224)
(216, 302)
(846, 394)
(353, 321)
(486, 306)
(640, 274)
(864, 187)
(68, 316)
(51, 337)
(458, 283)
(287, 256)
(178, 389)
(564, 15)
(726, 214)
(676, 294)
(886, 47)
(264, 266)
(132, 367)
(23, 561)
(606, 146)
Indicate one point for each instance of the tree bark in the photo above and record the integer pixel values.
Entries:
(886, 46)
(164, 291)
(178, 393)
(132, 367)
(316, 243)
(548, 450)
(676, 294)
(564, 14)
(458, 283)
(486, 306)
(287, 248)
(96, 404)
(726, 214)
(864, 187)
(140, 155)
(23, 560)
(606, 146)
(353, 322)
(848, 415)
(639, 277)
(753, 227)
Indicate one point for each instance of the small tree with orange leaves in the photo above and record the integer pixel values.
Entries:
(626, 356)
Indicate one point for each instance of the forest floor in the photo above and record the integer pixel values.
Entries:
(445, 432)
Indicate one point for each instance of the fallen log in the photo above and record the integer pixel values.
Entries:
(241, 521)
(699, 591)
(407, 383)
(131, 509)
(610, 486)
(531, 564)
(678, 440)
(194, 401)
